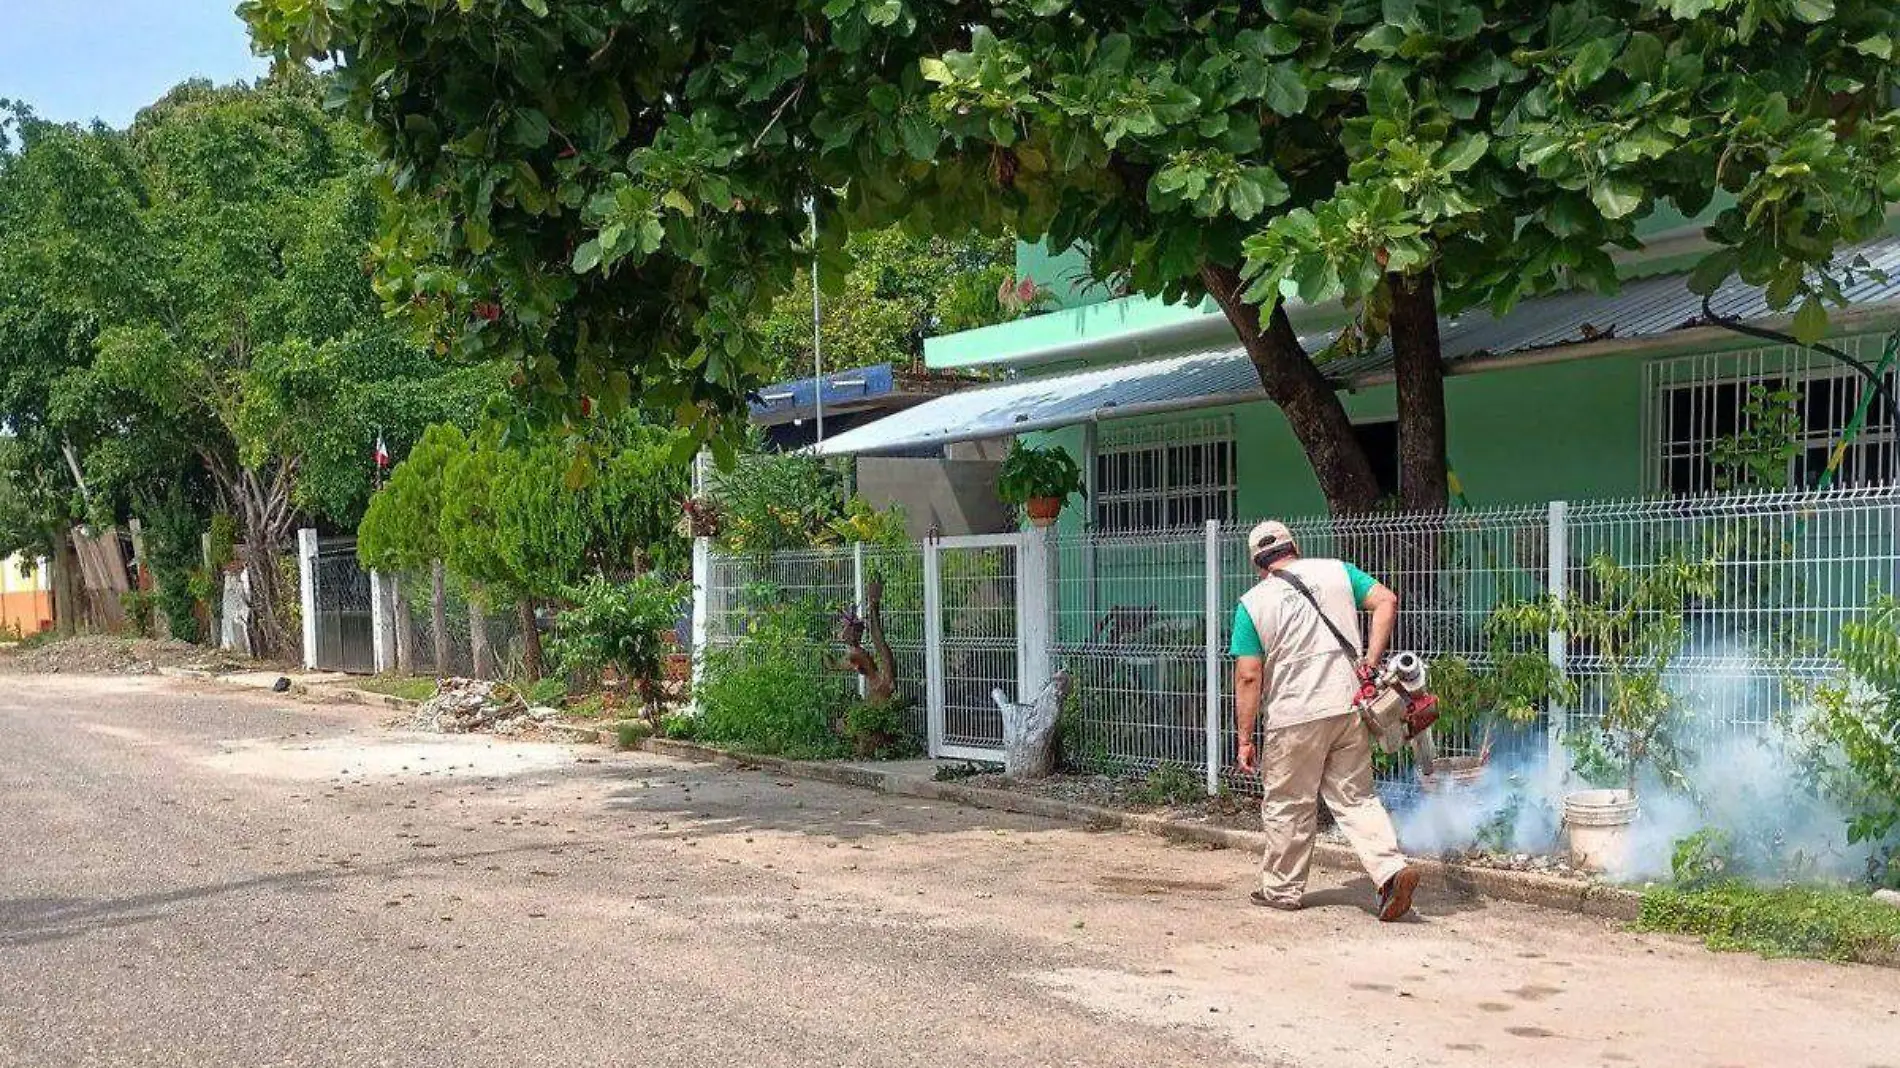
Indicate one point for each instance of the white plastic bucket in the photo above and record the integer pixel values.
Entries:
(1599, 825)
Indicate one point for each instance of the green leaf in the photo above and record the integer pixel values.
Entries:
(1712, 271)
(1284, 91)
(1464, 154)
(587, 257)
(539, 8)
(530, 129)
(1810, 323)
(1813, 10)
(935, 70)
(678, 202)
(1386, 97)
(1617, 197)
(1879, 45)
(1593, 61)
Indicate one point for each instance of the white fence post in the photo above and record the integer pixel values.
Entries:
(702, 594)
(933, 646)
(1556, 584)
(857, 601)
(382, 622)
(307, 585)
(1034, 633)
(1212, 572)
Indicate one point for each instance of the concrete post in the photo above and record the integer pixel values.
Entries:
(382, 622)
(702, 608)
(307, 586)
(1035, 632)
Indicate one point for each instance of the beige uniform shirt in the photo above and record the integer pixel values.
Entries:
(1308, 675)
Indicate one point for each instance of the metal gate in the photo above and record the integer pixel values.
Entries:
(345, 630)
(980, 603)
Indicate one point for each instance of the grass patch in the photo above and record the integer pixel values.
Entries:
(629, 733)
(1826, 923)
(409, 689)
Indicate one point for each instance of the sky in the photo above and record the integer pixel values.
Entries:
(77, 60)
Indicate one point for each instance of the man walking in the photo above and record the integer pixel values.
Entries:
(1314, 745)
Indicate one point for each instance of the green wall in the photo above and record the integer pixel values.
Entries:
(1569, 431)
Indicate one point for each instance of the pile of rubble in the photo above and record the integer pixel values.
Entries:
(104, 654)
(461, 706)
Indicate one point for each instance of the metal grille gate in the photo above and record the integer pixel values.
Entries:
(344, 631)
(972, 615)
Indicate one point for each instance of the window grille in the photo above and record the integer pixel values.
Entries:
(1693, 404)
(1164, 476)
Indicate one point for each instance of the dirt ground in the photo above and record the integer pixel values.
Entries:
(192, 876)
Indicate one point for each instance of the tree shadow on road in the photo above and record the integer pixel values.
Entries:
(29, 921)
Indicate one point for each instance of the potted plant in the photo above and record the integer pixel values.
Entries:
(1631, 622)
(1039, 479)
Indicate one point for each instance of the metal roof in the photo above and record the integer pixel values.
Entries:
(1211, 377)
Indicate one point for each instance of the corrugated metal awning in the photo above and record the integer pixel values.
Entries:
(1222, 375)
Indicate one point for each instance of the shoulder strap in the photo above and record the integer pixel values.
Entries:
(1345, 643)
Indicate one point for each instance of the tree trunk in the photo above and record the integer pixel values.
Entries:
(1311, 405)
(439, 617)
(270, 631)
(67, 607)
(479, 650)
(1419, 371)
(1030, 740)
(531, 661)
(405, 631)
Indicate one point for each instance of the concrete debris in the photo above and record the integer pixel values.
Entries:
(1888, 897)
(462, 706)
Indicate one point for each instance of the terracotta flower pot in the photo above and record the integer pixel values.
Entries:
(1043, 510)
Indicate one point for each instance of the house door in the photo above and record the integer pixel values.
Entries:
(972, 642)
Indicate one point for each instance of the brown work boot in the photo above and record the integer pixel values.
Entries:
(1266, 902)
(1395, 897)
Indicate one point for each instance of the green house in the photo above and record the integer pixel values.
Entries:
(1569, 397)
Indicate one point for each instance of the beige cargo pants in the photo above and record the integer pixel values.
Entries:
(1301, 763)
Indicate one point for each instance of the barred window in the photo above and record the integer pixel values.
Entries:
(1164, 476)
(1704, 409)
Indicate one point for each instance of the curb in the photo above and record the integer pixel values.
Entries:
(320, 694)
(1525, 888)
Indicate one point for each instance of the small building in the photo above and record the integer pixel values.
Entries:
(1572, 396)
(26, 597)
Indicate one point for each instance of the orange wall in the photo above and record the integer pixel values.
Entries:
(27, 612)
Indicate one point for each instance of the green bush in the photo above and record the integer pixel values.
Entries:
(879, 731)
(139, 608)
(622, 625)
(629, 733)
(774, 692)
(679, 725)
(1829, 923)
(548, 692)
(1171, 784)
(1856, 734)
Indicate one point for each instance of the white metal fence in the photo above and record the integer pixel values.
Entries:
(1141, 621)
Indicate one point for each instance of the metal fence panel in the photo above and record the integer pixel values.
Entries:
(1130, 613)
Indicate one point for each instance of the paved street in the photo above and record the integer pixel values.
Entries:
(194, 878)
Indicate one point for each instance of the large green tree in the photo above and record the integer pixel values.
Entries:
(618, 186)
(191, 295)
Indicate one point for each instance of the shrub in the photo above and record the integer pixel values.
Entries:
(679, 725)
(1830, 923)
(1171, 784)
(622, 625)
(139, 608)
(629, 733)
(1855, 733)
(878, 731)
(774, 692)
(1032, 471)
(548, 692)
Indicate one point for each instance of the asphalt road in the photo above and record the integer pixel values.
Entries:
(197, 878)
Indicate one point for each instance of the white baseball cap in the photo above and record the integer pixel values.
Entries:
(1271, 534)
